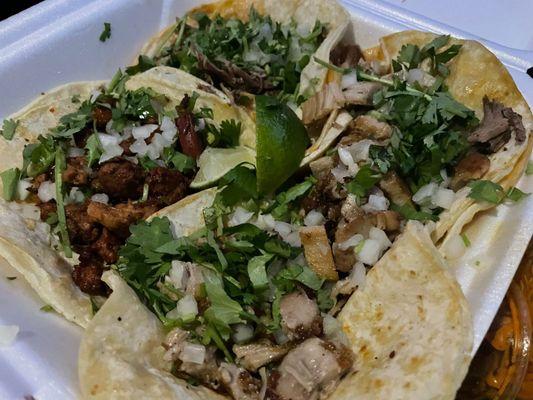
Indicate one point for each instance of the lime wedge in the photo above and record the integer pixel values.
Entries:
(214, 163)
(281, 143)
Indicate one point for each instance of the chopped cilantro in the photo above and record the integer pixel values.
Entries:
(466, 240)
(529, 168)
(94, 149)
(488, 191)
(60, 165)
(10, 180)
(365, 179)
(227, 135)
(257, 271)
(106, 33)
(515, 194)
(47, 308)
(9, 126)
(144, 63)
(409, 212)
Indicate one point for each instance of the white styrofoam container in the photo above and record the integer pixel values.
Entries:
(57, 42)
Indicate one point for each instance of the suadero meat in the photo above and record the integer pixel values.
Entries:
(87, 275)
(190, 141)
(300, 316)
(76, 172)
(254, 355)
(515, 121)
(119, 218)
(107, 246)
(239, 382)
(166, 186)
(81, 228)
(395, 189)
(473, 166)
(119, 179)
(315, 365)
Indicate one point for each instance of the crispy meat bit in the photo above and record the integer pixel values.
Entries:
(120, 180)
(190, 141)
(36, 182)
(254, 355)
(107, 246)
(474, 166)
(361, 93)
(395, 189)
(87, 275)
(101, 116)
(119, 218)
(76, 172)
(166, 186)
(81, 228)
(318, 251)
(515, 121)
(365, 126)
(47, 209)
(300, 316)
(208, 372)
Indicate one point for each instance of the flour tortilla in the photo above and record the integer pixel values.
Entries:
(410, 304)
(25, 241)
(474, 73)
(409, 326)
(304, 12)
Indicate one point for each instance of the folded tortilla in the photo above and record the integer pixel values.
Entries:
(25, 241)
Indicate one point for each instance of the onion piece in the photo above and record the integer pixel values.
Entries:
(313, 218)
(178, 275)
(424, 194)
(351, 242)
(47, 191)
(100, 198)
(348, 80)
(22, 189)
(193, 353)
(376, 203)
(443, 198)
(144, 131)
(242, 333)
(240, 216)
(370, 252)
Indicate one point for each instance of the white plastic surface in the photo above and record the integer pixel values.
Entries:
(57, 42)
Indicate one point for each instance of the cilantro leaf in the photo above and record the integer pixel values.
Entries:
(409, 212)
(515, 194)
(144, 63)
(239, 184)
(9, 126)
(365, 179)
(257, 271)
(106, 33)
(179, 161)
(483, 190)
(10, 179)
(227, 135)
(94, 149)
(60, 164)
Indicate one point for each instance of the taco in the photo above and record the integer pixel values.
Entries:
(86, 160)
(241, 315)
(253, 47)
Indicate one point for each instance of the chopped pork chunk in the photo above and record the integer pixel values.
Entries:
(395, 189)
(76, 172)
(119, 218)
(366, 126)
(254, 355)
(361, 93)
(239, 382)
(120, 180)
(300, 316)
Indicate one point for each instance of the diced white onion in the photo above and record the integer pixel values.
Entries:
(264, 222)
(381, 237)
(370, 252)
(358, 275)
(293, 239)
(376, 203)
(8, 334)
(420, 76)
(283, 228)
(193, 353)
(110, 145)
(360, 150)
(75, 196)
(100, 198)
(94, 95)
(351, 242)
(139, 147)
(187, 308)
(47, 191)
(178, 275)
(348, 80)
(200, 124)
(22, 189)
(240, 216)
(443, 198)
(445, 178)
(424, 194)
(347, 159)
(333, 329)
(314, 218)
(242, 333)
(75, 152)
(144, 131)
(340, 173)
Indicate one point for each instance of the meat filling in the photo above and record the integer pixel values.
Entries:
(119, 179)
(300, 316)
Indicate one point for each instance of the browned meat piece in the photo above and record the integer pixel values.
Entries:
(322, 103)
(239, 383)
(473, 166)
(173, 343)
(346, 55)
(47, 209)
(120, 180)
(80, 138)
(81, 228)
(125, 144)
(310, 368)
(87, 275)
(76, 173)
(361, 93)
(101, 116)
(300, 316)
(493, 145)
(107, 246)
(36, 182)
(317, 251)
(395, 189)
(166, 186)
(119, 218)
(190, 141)
(388, 221)
(515, 121)
(365, 126)
(254, 355)
(208, 372)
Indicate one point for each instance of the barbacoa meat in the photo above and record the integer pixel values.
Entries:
(119, 179)
(119, 218)
(166, 186)
(101, 116)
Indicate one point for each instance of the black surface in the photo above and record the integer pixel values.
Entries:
(11, 7)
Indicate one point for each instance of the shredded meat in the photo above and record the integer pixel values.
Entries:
(473, 166)
(76, 172)
(107, 246)
(81, 228)
(87, 275)
(495, 128)
(254, 355)
(300, 316)
(166, 186)
(119, 179)
(101, 116)
(190, 141)
(346, 55)
(395, 189)
(119, 218)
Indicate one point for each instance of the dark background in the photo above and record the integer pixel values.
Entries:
(10, 7)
